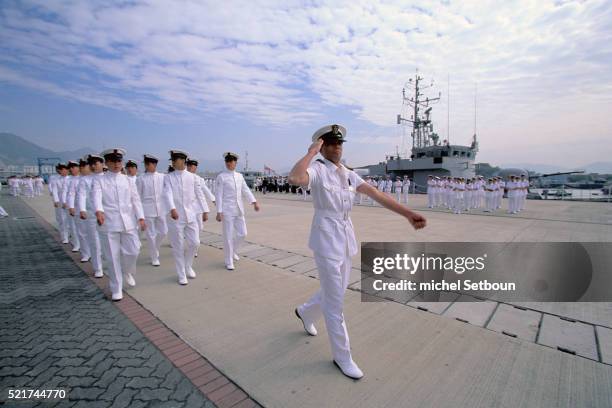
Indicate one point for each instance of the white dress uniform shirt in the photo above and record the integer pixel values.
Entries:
(116, 196)
(182, 192)
(207, 193)
(150, 188)
(333, 189)
(230, 190)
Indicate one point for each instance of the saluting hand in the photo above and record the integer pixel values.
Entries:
(315, 147)
(416, 220)
(100, 217)
(174, 214)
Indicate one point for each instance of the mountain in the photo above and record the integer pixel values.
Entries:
(15, 150)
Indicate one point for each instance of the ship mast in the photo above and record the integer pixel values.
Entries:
(422, 127)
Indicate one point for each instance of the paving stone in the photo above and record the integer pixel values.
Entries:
(604, 335)
(277, 254)
(303, 267)
(471, 310)
(571, 336)
(515, 322)
(58, 330)
(289, 261)
(422, 303)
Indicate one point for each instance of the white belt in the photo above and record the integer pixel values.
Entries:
(343, 216)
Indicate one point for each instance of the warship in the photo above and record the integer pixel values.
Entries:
(429, 155)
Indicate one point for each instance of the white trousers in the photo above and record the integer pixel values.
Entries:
(490, 201)
(405, 197)
(430, 198)
(93, 239)
(63, 223)
(84, 243)
(72, 230)
(121, 252)
(234, 231)
(3, 212)
(329, 302)
(184, 238)
(156, 231)
(458, 202)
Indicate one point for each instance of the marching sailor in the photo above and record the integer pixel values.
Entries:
(184, 201)
(117, 207)
(81, 224)
(332, 238)
(201, 217)
(68, 194)
(229, 192)
(87, 212)
(150, 186)
(131, 170)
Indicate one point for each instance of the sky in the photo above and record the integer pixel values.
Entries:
(532, 78)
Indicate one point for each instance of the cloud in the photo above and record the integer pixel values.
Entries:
(280, 63)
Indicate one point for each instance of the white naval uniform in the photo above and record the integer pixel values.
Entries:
(406, 190)
(230, 189)
(85, 204)
(68, 194)
(182, 193)
(431, 191)
(398, 190)
(332, 240)
(208, 195)
(81, 225)
(150, 188)
(117, 198)
(58, 193)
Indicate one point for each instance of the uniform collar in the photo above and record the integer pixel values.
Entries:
(331, 165)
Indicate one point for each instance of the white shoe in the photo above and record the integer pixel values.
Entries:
(129, 278)
(65, 241)
(195, 255)
(310, 329)
(77, 249)
(117, 297)
(229, 267)
(98, 274)
(183, 281)
(236, 257)
(155, 262)
(350, 370)
(85, 259)
(190, 273)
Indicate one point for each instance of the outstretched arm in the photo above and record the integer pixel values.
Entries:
(299, 175)
(415, 219)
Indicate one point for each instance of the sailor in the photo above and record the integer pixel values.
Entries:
(58, 192)
(405, 188)
(230, 190)
(150, 186)
(117, 206)
(332, 238)
(68, 203)
(75, 209)
(131, 170)
(500, 192)
(184, 200)
(458, 192)
(201, 216)
(431, 190)
(87, 211)
(397, 186)
(523, 190)
(490, 195)
(467, 199)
